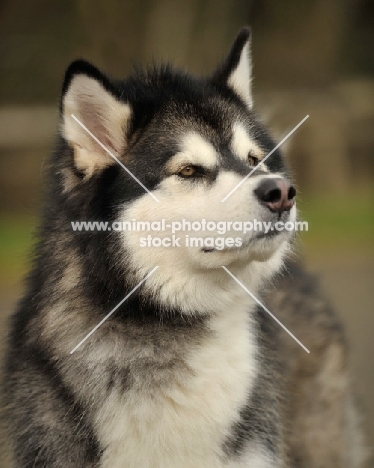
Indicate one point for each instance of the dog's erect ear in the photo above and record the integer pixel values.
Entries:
(90, 97)
(236, 70)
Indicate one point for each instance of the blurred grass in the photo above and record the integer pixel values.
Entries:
(339, 227)
(16, 241)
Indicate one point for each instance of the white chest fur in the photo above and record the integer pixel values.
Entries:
(183, 425)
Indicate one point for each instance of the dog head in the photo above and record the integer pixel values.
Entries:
(163, 145)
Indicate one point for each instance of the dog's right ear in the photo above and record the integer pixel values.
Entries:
(90, 97)
(235, 71)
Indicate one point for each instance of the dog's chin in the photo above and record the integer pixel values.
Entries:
(260, 248)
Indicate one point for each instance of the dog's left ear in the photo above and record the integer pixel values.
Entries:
(236, 70)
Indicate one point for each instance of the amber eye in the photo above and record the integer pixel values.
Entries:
(253, 161)
(187, 171)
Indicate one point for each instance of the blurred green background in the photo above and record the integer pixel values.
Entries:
(311, 57)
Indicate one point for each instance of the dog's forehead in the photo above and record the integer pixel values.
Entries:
(209, 145)
(197, 120)
(206, 127)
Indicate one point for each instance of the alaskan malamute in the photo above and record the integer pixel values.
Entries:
(183, 368)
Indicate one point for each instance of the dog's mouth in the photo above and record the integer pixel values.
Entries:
(271, 234)
(267, 235)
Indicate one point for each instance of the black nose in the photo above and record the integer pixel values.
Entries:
(276, 193)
